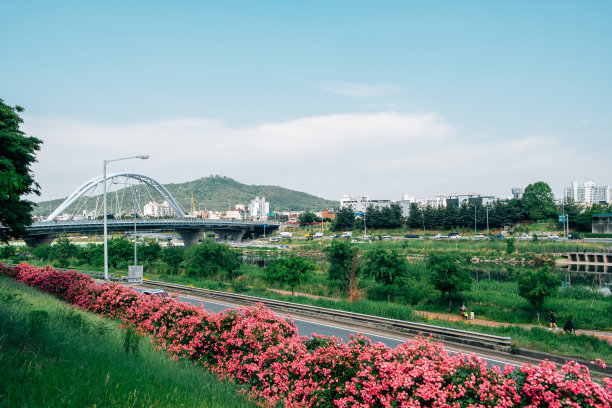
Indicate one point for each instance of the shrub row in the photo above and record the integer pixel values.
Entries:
(264, 352)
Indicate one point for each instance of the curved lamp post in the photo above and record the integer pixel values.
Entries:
(143, 157)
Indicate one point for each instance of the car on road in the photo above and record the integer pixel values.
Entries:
(386, 236)
(334, 236)
(574, 236)
(318, 235)
(552, 236)
(454, 235)
(525, 237)
(478, 236)
(411, 236)
(155, 292)
(439, 236)
(275, 239)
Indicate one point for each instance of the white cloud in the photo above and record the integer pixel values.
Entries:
(383, 154)
(361, 90)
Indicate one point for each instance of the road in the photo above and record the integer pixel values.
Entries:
(308, 327)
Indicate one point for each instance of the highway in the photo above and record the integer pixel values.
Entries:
(307, 327)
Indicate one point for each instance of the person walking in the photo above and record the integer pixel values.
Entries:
(553, 320)
(463, 311)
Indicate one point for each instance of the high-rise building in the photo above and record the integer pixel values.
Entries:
(588, 194)
(259, 208)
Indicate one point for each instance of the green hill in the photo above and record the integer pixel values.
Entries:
(218, 193)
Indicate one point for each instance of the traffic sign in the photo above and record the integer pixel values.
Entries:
(562, 217)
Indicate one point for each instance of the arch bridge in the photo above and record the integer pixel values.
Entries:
(191, 230)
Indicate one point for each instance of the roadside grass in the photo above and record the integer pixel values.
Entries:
(55, 355)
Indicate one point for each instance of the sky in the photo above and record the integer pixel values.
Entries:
(380, 98)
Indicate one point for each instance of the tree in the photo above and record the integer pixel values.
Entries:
(536, 286)
(291, 270)
(415, 216)
(345, 218)
(308, 218)
(172, 256)
(120, 251)
(209, 258)
(538, 201)
(447, 275)
(386, 267)
(340, 257)
(63, 250)
(17, 153)
(149, 252)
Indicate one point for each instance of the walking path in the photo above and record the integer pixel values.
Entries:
(453, 318)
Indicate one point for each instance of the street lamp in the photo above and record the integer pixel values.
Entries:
(143, 157)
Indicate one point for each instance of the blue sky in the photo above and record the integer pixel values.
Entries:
(380, 98)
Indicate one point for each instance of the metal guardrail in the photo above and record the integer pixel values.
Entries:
(442, 334)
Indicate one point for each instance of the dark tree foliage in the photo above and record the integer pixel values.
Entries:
(63, 250)
(415, 216)
(172, 256)
(308, 218)
(536, 286)
(149, 252)
(538, 201)
(17, 153)
(385, 217)
(290, 270)
(447, 274)
(210, 259)
(340, 257)
(386, 267)
(345, 218)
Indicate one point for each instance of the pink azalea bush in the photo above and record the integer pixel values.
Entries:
(264, 352)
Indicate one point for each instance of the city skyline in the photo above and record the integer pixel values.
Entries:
(386, 99)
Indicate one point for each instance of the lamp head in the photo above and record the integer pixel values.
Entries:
(143, 156)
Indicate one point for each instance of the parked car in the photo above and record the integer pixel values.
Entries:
(318, 235)
(574, 236)
(386, 236)
(499, 236)
(275, 239)
(553, 236)
(411, 236)
(334, 236)
(454, 236)
(439, 236)
(478, 236)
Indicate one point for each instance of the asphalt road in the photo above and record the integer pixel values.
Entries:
(308, 327)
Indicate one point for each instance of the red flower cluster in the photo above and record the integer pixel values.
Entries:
(254, 347)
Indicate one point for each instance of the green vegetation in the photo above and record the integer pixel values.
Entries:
(536, 286)
(55, 355)
(17, 154)
(210, 259)
(447, 274)
(290, 270)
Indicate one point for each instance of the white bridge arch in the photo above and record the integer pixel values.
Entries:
(94, 182)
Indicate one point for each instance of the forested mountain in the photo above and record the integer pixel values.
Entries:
(218, 193)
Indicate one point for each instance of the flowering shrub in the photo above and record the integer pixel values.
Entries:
(254, 347)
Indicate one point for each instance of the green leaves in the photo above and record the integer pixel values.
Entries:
(16, 156)
(447, 274)
(291, 270)
(536, 286)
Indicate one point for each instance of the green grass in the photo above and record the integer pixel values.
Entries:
(54, 355)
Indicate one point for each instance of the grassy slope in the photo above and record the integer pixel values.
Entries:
(76, 359)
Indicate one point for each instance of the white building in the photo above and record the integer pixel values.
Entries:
(589, 193)
(153, 209)
(259, 208)
(362, 203)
